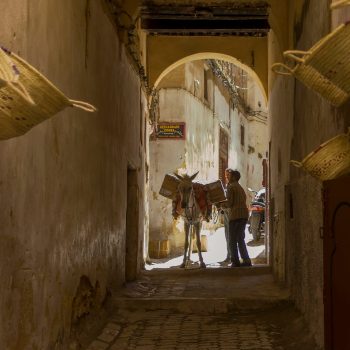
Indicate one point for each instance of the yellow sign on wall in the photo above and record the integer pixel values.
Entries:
(171, 131)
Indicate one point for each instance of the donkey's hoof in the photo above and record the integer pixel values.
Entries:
(202, 265)
(183, 265)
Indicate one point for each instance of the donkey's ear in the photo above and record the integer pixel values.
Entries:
(179, 177)
(194, 175)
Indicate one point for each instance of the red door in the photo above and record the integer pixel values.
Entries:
(337, 264)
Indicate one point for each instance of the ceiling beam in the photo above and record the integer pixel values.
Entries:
(205, 20)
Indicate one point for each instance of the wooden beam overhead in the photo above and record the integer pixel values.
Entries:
(205, 20)
(203, 11)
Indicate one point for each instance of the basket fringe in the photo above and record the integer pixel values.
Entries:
(27, 98)
(83, 105)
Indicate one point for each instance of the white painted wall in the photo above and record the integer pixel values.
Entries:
(237, 152)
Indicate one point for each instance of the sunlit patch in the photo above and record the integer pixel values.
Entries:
(216, 253)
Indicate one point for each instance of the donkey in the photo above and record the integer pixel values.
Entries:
(191, 215)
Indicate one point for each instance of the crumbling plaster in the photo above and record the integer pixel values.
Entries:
(63, 184)
(197, 153)
(300, 121)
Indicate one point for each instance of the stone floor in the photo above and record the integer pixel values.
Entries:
(238, 309)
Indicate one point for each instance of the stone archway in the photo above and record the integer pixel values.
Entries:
(250, 53)
(165, 89)
(214, 56)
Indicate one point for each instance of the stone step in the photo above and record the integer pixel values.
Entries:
(203, 306)
(203, 291)
(210, 271)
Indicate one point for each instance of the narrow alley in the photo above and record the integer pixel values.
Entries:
(216, 308)
(174, 174)
(204, 309)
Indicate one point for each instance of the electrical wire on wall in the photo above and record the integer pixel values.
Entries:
(235, 96)
(233, 89)
(127, 28)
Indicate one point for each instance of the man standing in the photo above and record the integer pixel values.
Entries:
(226, 220)
(237, 213)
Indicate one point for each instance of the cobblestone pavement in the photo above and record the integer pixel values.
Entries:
(164, 312)
(278, 329)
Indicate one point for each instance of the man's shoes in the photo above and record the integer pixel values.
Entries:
(246, 263)
(235, 265)
(227, 259)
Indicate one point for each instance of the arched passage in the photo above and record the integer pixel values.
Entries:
(165, 53)
(214, 56)
(219, 134)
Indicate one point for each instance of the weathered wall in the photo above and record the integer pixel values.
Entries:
(63, 184)
(281, 109)
(255, 97)
(300, 121)
(246, 157)
(238, 153)
(257, 147)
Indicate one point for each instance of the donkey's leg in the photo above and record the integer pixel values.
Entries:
(190, 240)
(199, 245)
(186, 226)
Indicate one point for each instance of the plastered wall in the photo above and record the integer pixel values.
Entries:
(63, 184)
(167, 156)
(300, 121)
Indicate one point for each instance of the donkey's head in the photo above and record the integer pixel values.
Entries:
(185, 188)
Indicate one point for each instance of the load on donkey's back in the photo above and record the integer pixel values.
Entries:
(193, 202)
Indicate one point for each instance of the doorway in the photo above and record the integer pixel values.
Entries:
(132, 226)
(336, 265)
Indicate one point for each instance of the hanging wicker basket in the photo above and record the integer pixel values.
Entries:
(325, 68)
(27, 98)
(330, 160)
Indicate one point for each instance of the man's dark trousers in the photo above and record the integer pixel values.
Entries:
(236, 237)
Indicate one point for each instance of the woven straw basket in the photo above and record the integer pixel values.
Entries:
(330, 160)
(26, 97)
(325, 68)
